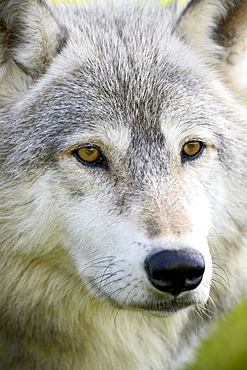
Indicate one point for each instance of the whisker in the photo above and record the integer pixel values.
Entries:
(206, 312)
(225, 280)
(98, 262)
(213, 303)
(214, 289)
(218, 282)
(198, 311)
(226, 272)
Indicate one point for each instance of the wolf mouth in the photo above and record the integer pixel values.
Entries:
(153, 303)
(165, 306)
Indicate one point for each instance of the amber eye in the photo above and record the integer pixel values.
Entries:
(90, 156)
(192, 150)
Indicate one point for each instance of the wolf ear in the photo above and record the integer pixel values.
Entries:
(29, 38)
(218, 30)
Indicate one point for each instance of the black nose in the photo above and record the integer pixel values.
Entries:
(175, 271)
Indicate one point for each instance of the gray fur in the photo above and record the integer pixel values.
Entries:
(139, 81)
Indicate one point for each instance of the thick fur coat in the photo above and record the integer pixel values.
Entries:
(123, 204)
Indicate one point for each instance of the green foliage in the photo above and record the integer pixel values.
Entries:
(226, 348)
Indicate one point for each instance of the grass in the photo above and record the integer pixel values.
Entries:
(226, 348)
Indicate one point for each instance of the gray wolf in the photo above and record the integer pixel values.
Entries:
(123, 180)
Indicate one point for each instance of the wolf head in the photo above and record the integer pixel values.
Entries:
(123, 144)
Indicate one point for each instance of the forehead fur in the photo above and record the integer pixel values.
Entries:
(124, 63)
(135, 45)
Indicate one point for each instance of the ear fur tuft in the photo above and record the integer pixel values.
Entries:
(29, 38)
(218, 30)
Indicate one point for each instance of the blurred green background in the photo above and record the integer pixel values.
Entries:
(226, 347)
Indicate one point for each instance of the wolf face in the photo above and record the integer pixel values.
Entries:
(123, 154)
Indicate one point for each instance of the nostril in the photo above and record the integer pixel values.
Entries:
(175, 271)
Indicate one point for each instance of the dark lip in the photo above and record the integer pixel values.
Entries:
(151, 306)
(164, 307)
